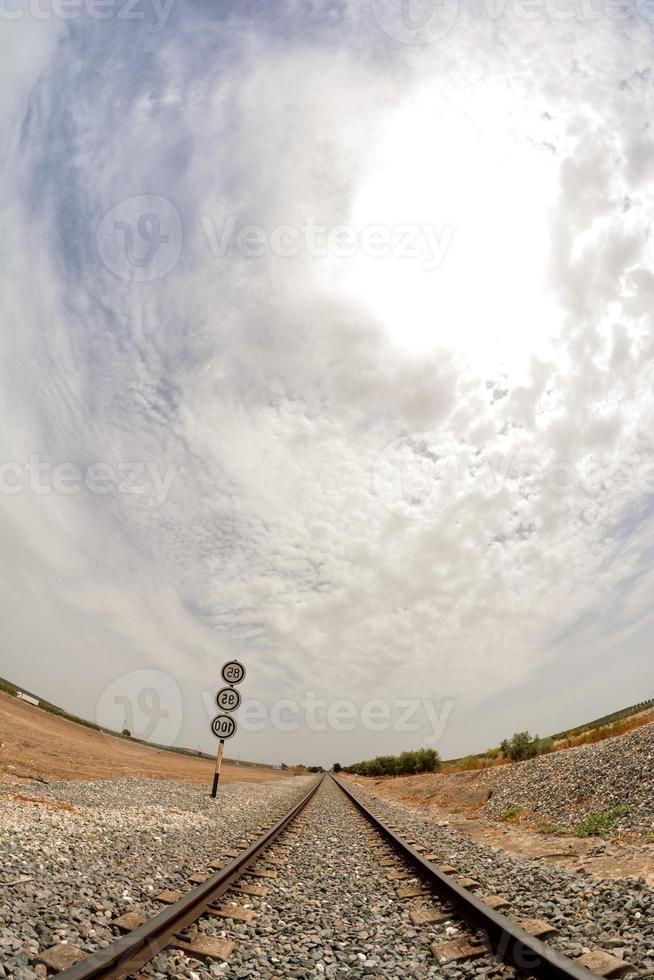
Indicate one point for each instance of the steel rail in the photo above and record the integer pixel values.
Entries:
(504, 938)
(133, 950)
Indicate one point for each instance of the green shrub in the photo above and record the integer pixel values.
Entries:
(550, 828)
(512, 813)
(601, 823)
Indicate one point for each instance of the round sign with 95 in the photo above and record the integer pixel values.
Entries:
(228, 699)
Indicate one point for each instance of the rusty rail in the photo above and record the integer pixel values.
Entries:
(504, 938)
(132, 951)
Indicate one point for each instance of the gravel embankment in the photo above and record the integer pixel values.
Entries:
(93, 850)
(615, 915)
(564, 787)
(331, 912)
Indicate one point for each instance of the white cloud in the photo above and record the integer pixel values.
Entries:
(271, 385)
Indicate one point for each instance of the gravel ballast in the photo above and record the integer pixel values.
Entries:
(90, 851)
(331, 912)
(617, 916)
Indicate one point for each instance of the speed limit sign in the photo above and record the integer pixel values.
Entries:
(223, 726)
(228, 699)
(233, 672)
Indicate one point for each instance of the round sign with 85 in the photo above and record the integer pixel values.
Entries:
(233, 672)
(228, 699)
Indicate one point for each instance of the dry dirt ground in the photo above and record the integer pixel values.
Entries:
(454, 799)
(35, 744)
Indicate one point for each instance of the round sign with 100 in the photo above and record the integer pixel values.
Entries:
(223, 726)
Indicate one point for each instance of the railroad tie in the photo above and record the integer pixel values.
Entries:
(456, 951)
(495, 901)
(539, 928)
(128, 921)
(205, 947)
(256, 891)
(412, 891)
(604, 964)
(470, 883)
(232, 911)
(428, 917)
(399, 875)
(61, 956)
(261, 873)
(168, 897)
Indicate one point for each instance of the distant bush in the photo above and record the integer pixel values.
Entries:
(337, 767)
(405, 764)
(523, 746)
(126, 732)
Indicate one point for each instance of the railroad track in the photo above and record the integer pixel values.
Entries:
(433, 898)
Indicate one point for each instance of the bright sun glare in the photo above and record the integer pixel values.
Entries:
(479, 287)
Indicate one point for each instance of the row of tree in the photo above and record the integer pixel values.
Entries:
(519, 747)
(407, 763)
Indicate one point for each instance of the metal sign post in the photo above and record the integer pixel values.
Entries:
(219, 762)
(223, 726)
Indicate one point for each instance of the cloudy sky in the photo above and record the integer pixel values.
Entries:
(327, 345)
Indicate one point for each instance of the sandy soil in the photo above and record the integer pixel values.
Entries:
(35, 744)
(453, 800)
